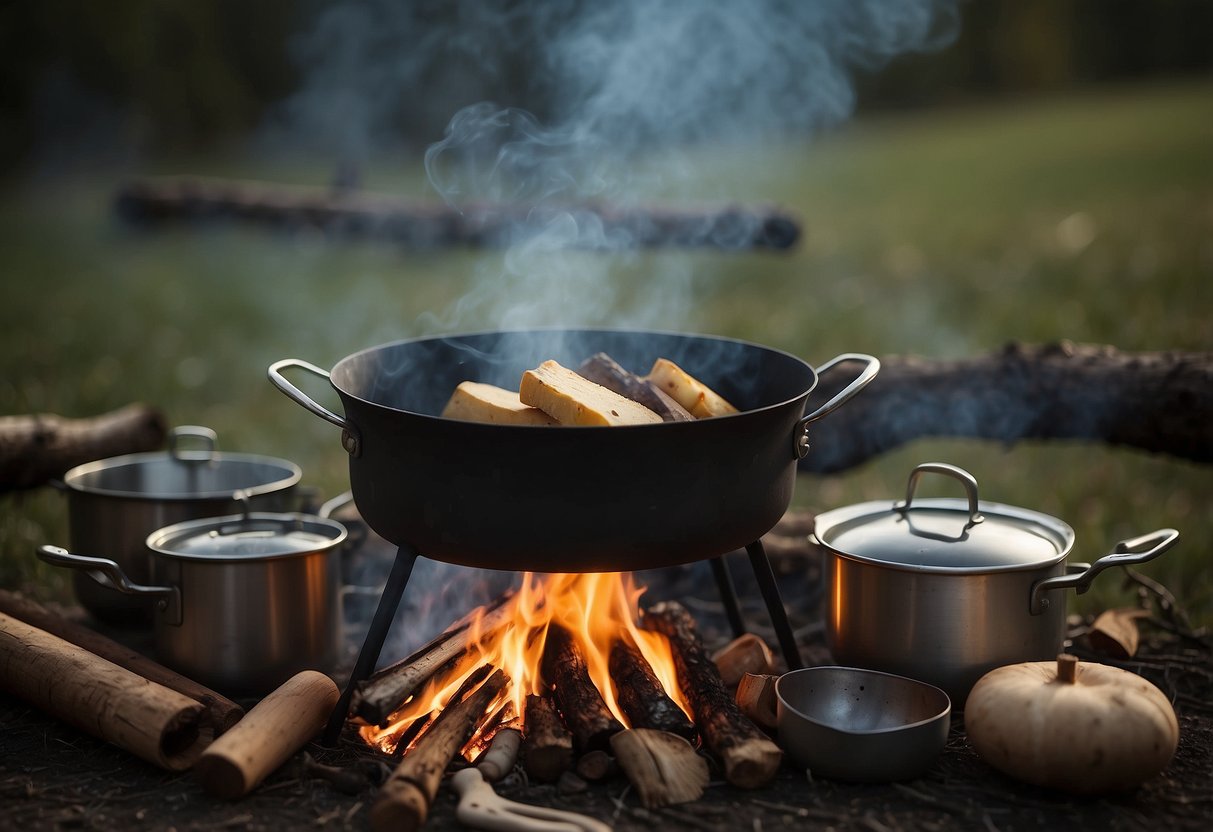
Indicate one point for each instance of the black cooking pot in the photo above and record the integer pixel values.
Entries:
(583, 499)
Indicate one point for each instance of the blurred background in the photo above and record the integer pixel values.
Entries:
(967, 174)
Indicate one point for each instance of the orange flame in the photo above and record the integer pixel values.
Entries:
(596, 608)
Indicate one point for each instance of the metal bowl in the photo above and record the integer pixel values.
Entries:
(864, 726)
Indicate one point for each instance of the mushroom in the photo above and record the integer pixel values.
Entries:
(1084, 728)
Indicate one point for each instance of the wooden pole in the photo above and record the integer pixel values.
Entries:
(273, 730)
(149, 720)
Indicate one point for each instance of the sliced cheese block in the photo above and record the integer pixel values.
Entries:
(688, 391)
(476, 402)
(573, 400)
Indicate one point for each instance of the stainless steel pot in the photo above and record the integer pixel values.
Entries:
(242, 602)
(115, 503)
(944, 590)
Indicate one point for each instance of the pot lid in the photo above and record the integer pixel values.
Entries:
(945, 535)
(251, 536)
(184, 474)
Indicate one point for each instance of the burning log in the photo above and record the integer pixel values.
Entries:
(274, 729)
(750, 758)
(548, 745)
(641, 696)
(1155, 401)
(426, 224)
(386, 690)
(581, 705)
(743, 655)
(36, 449)
(222, 712)
(159, 725)
(757, 700)
(404, 800)
(601, 369)
(664, 768)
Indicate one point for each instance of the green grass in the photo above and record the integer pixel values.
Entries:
(945, 234)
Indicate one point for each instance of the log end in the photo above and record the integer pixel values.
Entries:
(185, 738)
(220, 776)
(752, 763)
(401, 807)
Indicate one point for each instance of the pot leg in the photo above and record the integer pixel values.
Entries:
(728, 595)
(381, 623)
(774, 602)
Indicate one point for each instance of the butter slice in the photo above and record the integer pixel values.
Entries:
(573, 400)
(476, 402)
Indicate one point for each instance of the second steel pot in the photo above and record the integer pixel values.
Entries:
(944, 590)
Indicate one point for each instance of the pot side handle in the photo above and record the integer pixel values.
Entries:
(110, 575)
(871, 368)
(349, 434)
(1127, 552)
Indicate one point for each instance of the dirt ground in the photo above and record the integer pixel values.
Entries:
(52, 777)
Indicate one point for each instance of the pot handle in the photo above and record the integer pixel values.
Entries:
(349, 434)
(209, 439)
(1127, 552)
(110, 575)
(871, 368)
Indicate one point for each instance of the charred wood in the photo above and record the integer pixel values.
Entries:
(548, 745)
(404, 800)
(584, 711)
(1160, 402)
(43, 447)
(750, 758)
(361, 215)
(641, 696)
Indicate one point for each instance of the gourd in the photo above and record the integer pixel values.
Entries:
(1085, 728)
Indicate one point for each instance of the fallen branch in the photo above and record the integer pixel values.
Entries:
(1154, 401)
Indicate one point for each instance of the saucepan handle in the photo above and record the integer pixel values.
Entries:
(349, 434)
(1127, 552)
(110, 575)
(871, 368)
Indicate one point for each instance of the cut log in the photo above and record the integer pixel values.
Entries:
(595, 766)
(276, 727)
(222, 712)
(1154, 401)
(547, 748)
(501, 755)
(360, 215)
(750, 758)
(641, 696)
(745, 654)
(582, 706)
(601, 369)
(757, 700)
(403, 802)
(159, 725)
(37, 449)
(386, 690)
(663, 768)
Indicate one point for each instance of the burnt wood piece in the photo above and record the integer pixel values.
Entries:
(582, 706)
(222, 712)
(603, 370)
(361, 215)
(403, 802)
(640, 695)
(386, 690)
(547, 745)
(39, 448)
(1154, 401)
(750, 758)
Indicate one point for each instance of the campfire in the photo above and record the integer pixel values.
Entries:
(568, 673)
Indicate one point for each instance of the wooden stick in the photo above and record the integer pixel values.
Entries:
(223, 712)
(159, 725)
(43, 447)
(501, 755)
(603, 370)
(750, 758)
(404, 800)
(276, 727)
(580, 702)
(547, 743)
(745, 654)
(384, 692)
(641, 696)
(663, 768)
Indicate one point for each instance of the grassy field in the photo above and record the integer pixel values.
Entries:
(945, 234)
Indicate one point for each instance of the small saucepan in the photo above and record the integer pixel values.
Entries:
(242, 602)
(944, 590)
